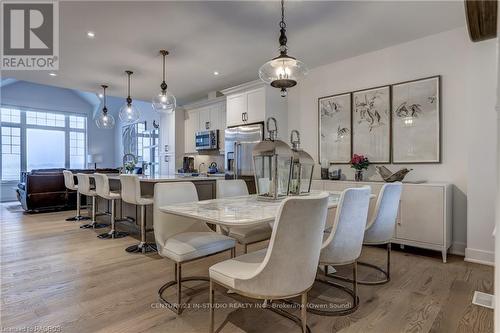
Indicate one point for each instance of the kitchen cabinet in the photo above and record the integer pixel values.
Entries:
(254, 102)
(191, 126)
(202, 116)
(425, 212)
(172, 143)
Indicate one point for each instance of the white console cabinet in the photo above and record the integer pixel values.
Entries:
(425, 212)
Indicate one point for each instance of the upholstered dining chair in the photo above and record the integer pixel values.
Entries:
(342, 246)
(85, 189)
(131, 193)
(287, 268)
(244, 235)
(102, 188)
(182, 239)
(380, 229)
(69, 182)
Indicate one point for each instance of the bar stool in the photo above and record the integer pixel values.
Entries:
(84, 188)
(131, 193)
(102, 189)
(69, 182)
(244, 235)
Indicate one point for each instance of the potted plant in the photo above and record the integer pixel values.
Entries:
(359, 163)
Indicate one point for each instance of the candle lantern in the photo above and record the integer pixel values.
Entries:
(272, 160)
(302, 168)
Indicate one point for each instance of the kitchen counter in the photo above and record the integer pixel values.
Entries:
(171, 178)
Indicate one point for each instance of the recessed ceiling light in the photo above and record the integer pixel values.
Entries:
(216, 73)
(52, 74)
(90, 34)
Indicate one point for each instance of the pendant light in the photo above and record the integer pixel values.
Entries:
(128, 112)
(165, 101)
(284, 71)
(105, 120)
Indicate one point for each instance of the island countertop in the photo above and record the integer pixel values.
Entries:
(170, 178)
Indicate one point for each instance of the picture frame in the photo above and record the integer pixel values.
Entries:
(335, 128)
(416, 118)
(371, 124)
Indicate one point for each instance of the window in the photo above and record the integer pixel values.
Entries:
(33, 139)
(11, 153)
(77, 150)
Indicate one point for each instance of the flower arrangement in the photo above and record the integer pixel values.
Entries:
(359, 162)
(129, 167)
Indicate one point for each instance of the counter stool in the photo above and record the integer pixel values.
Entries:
(69, 182)
(131, 193)
(84, 188)
(244, 235)
(102, 189)
(182, 239)
(380, 230)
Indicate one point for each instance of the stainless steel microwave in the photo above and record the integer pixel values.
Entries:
(207, 140)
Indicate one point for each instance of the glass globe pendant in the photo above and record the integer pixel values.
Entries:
(284, 71)
(128, 112)
(105, 120)
(165, 101)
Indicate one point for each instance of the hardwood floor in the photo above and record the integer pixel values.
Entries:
(55, 274)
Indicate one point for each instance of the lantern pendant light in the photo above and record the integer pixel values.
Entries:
(165, 101)
(105, 120)
(284, 71)
(128, 112)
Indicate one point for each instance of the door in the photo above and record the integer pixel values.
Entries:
(256, 105)
(236, 107)
(421, 214)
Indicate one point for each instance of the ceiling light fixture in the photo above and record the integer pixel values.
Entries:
(165, 101)
(216, 73)
(52, 74)
(128, 112)
(284, 71)
(105, 120)
(90, 34)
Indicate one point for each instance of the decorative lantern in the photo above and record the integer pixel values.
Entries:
(302, 168)
(272, 160)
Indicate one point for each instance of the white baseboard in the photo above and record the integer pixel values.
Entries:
(458, 248)
(480, 256)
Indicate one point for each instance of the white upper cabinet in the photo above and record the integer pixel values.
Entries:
(206, 115)
(236, 108)
(253, 102)
(256, 105)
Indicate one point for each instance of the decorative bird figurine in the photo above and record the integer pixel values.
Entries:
(390, 177)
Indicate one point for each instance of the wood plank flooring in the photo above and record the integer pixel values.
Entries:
(56, 275)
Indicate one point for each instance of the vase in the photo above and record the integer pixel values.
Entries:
(358, 176)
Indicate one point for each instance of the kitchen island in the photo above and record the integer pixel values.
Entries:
(205, 186)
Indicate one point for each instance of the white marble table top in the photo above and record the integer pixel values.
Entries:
(236, 211)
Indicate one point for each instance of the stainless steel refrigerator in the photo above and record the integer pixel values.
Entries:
(239, 143)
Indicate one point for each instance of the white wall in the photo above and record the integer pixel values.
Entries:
(468, 120)
(27, 94)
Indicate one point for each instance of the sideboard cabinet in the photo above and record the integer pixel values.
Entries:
(425, 212)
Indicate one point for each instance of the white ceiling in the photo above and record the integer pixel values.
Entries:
(234, 38)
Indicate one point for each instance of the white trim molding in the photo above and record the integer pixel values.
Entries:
(480, 256)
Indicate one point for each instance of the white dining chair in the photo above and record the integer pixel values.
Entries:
(380, 229)
(85, 189)
(182, 239)
(131, 193)
(287, 268)
(102, 188)
(342, 246)
(227, 188)
(69, 183)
